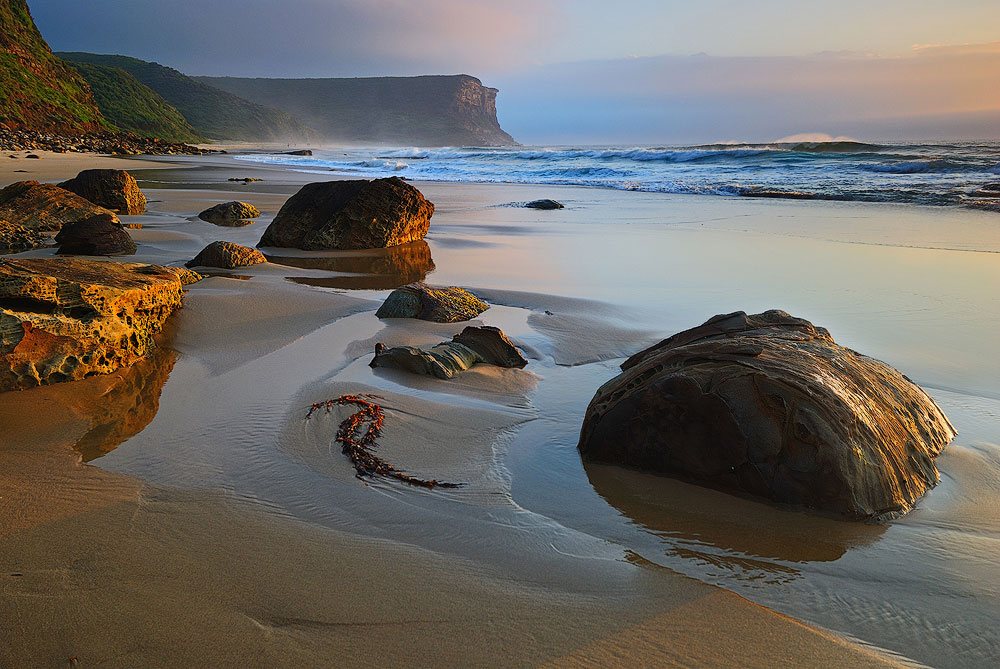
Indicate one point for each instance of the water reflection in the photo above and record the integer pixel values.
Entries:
(127, 407)
(369, 269)
(722, 530)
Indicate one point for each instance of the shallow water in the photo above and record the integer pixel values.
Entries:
(580, 289)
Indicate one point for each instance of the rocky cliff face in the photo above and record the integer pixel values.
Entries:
(37, 90)
(430, 110)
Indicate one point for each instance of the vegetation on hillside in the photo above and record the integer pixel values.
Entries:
(211, 112)
(37, 90)
(133, 106)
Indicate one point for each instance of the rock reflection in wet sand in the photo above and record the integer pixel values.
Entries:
(127, 407)
(371, 269)
(738, 527)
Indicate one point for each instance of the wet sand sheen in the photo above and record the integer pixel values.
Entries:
(553, 580)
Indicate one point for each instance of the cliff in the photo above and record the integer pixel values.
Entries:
(212, 112)
(37, 90)
(453, 110)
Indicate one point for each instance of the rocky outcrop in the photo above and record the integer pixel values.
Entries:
(486, 344)
(63, 319)
(115, 143)
(45, 207)
(453, 110)
(116, 190)
(227, 255)
(359, 214)
(15, 238)
(771, 406)
(230, 214)
(97, 236)
(544, 204)
(431, 303)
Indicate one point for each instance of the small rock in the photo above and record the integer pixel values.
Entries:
(230, 214)
(429, 303)
(544, 204)
(299, 152)
(97, 236)
(33, 156)
(473, 345)
(227, 255)
(245, 180)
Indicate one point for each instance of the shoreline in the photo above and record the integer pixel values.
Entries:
(663, 615)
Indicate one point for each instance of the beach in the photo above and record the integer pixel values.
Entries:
(184, 511)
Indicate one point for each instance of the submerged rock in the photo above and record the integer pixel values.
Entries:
(230, 214)
(227, 255)
(63, 319)
(473, 345)
(771, 406)
(544, 204)
(45, 207)
(15, 238)
(116, 190)
(429, 303)
(101, 235)
(358, 214)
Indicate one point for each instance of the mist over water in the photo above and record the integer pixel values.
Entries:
(934, 174)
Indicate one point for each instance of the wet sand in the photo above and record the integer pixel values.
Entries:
(246, 529)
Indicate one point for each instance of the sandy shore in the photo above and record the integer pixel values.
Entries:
(226, 531)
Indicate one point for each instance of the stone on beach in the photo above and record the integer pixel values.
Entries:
(358, 214)
(116, 190)
(227, 255)
(15, 238)
(473, 345)
(771, 406)
(100, 235)
(230, 214)
(45, 207)
(63, 319)
(449, 304)
(544, 204)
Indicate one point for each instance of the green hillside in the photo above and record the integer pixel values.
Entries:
(132, 106)
(37, 90)
(211, 112)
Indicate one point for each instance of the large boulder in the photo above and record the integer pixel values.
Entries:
(359, 214)
(486, 344)
(45, 207)
(430, 303)
(63, 319)
(230, 214)
(771, 406)
(97, 236)
(15, 238)
(227, 255)
(116, 190)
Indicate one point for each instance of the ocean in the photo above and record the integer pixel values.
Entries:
(928, 174)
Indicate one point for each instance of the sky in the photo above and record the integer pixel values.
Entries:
(590, 71)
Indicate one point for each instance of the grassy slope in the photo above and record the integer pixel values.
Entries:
(37, 90)
(133, 106)
(212, 112)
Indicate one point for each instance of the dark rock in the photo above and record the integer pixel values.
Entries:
(97, 236)
(473, 345)
(245, 180)
(15, 238)
(33, 156)
(45, 207)
(227, 255)
(429, 303)
(776, 194)
(116, 190)
(358, 214)
(230, 214)
(544, 204)
(300, 152)
(988, 190)
(771, 406)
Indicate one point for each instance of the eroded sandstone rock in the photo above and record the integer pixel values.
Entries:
(15, 238)
(100, 235)
(116, 190)
(770, 405)
(227, 255)
(473, 345)
(358, 214)
(63, 319)
(449, 304)
(230, 214)
(45, 207)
